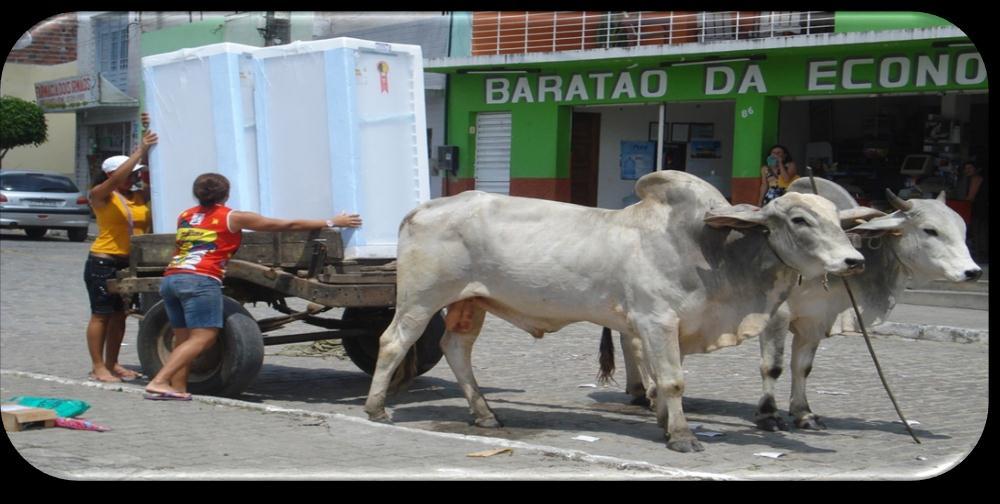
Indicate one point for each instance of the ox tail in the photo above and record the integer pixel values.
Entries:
(405, 373)
(607, 358)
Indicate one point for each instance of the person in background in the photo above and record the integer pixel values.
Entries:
(121, 213)
(777, 173)
(972, 187)
(207, 236)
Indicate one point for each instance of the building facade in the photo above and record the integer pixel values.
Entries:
(571, 106)
(93, 101)
(45, 53)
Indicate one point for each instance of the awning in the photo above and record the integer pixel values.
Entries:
(82, 92)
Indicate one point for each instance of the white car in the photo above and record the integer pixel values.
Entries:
(39, 201)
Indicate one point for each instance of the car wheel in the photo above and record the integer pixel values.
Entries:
(35, 233)
(77, 234)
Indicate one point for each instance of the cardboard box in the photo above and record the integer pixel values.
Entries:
(17, 417)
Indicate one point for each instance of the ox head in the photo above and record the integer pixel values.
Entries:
(931, 238)
(804, 230)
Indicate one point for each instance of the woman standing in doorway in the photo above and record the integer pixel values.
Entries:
(207, 236)
(777, 173)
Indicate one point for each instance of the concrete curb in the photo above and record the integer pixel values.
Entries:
(933, 333)
(646, 469)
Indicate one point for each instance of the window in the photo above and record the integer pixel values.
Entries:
(492, 165)
(112, 48)
(113, 137)
(31, 182)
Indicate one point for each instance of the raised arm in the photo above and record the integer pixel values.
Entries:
(256, 222)
(144, 119)
(100, 193)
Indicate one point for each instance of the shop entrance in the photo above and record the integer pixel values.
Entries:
(915, 145)
(585, 150)
(697, 138)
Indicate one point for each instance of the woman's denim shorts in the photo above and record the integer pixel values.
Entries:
(96, 273)
(192, 301)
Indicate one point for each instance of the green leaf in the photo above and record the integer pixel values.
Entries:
(21, 123)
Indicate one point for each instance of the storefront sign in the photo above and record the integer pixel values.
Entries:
(67, 94)
(885, 73)
(897, 72)
(652, 84)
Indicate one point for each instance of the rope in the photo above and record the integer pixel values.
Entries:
(868, 341)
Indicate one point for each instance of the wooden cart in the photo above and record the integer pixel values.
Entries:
(269, 268)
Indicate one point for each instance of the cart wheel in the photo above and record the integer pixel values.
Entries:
(225, 369)
(147, 300)
(363, 350)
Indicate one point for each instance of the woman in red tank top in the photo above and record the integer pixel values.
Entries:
(207, 236)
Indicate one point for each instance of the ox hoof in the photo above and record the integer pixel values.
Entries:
(811, 422)
(382, 418)
(772, 424)
(641, 401)
(488, 423)
(685, 445)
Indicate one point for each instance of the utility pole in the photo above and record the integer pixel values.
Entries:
(277, 28)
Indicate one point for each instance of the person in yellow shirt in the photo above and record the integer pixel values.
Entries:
(121, 213)
(777, 173)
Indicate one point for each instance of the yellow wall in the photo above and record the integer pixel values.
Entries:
(56, 154)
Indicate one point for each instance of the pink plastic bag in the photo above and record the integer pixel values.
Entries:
(80, 424)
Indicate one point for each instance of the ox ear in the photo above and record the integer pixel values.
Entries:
(852, 216)
(879, 227)
(735, 216)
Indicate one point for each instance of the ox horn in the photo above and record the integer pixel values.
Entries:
(897, 202)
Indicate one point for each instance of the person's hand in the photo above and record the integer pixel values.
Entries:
(144, 119)
(347, 220)
(149, 140)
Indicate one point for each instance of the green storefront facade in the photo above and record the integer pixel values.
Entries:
(541, 96)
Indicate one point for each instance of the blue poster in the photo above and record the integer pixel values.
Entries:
(637, 159)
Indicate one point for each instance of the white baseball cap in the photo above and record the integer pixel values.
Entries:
(112, 163)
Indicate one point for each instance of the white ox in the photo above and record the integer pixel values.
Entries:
(657, 271)
(922, 241)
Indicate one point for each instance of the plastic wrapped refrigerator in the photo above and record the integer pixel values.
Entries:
(305, 130)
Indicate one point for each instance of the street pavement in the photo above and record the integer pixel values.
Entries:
(303, 420)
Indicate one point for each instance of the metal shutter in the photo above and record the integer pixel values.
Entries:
(493, 153)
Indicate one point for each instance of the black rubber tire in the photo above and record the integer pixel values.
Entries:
(147, 300)
(226, 369)
(77, 234)
(35, 233)
(363, 350)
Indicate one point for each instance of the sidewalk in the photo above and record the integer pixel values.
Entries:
(214, 438)
(937, 323)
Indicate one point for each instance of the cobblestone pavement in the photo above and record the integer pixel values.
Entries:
(303, 418)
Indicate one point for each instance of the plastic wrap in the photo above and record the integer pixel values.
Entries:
(302, 130)
(201, 104)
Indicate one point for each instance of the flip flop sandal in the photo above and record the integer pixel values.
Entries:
(166, 396)
(127, 377)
